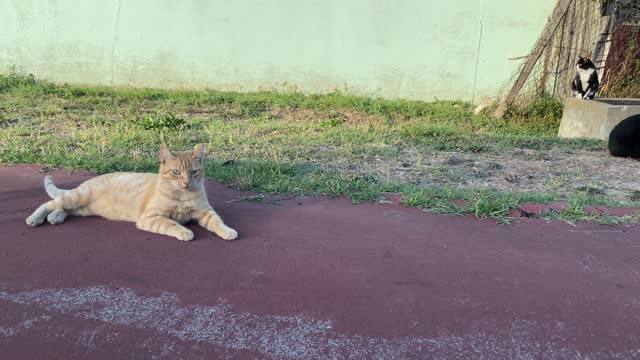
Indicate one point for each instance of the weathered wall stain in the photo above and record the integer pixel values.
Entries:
(405, 48)
(115, 39)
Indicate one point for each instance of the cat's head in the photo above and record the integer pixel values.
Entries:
(584, 63)
(182, 170)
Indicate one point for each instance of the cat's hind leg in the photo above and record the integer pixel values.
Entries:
(54, 210)
(40, 214)
(57, 216)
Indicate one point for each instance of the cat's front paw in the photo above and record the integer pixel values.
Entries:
(185, 235)
(229, 234)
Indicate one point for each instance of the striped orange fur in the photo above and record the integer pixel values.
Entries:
(160, 203)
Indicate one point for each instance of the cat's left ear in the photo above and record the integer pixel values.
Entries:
(198, 152)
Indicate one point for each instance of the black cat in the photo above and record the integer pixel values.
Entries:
(624, 139)
(585, 84)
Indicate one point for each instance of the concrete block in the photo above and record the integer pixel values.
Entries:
(595, 118)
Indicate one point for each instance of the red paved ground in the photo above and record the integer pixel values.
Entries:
(311, 279)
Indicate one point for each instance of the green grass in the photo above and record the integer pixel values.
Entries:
(279, 142)
(575, 212)
(541, 107)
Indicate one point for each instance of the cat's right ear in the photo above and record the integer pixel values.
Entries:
(198, 152)
(165, 154)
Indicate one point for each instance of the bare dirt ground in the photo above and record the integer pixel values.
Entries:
(563, 172)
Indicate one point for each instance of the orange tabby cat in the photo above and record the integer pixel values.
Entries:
(159, 203)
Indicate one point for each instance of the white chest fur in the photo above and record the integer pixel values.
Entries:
(584, 76)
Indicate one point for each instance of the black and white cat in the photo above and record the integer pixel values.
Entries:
(585, 84)
(624, 139)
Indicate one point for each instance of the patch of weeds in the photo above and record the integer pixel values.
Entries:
(451, 174)
(266, 199)
(436, 202)
(12, 78)
(454, 161)
(490, 205)
(591, 190)
(548, 215)
(357, 188)
(504, 220)
(260, 198)
(544, 107)
(166, 121)
(418, 130)
(475, 147)
(443, 205)
(573, 213)
(606, 219)
(331, 122)
(480, 203)
(264, 117)
(75, 92)
(155, 95)
(415, 199)
(252, 107)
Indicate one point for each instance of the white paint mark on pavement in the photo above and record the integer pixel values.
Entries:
(9, 331)
(290, 337)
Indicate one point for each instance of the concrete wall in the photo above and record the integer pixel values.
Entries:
(421, 49)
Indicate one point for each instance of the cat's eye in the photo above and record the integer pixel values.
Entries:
(175, 172)
(195, 172)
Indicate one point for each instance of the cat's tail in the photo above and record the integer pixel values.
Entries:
(51, 188)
